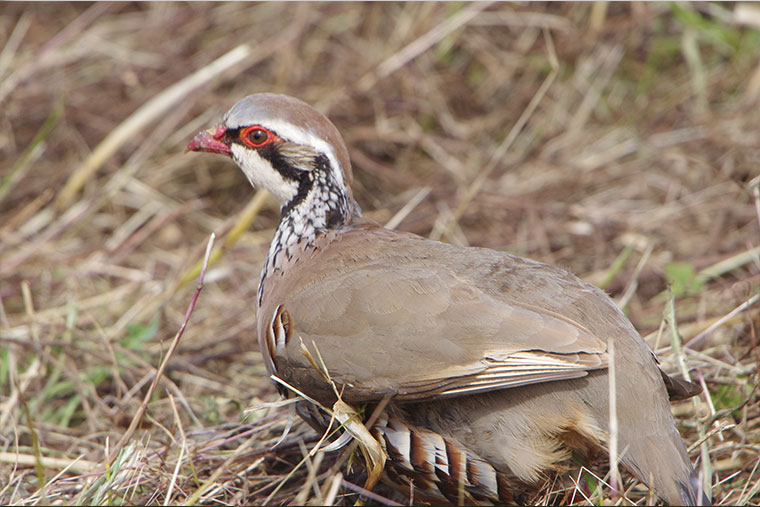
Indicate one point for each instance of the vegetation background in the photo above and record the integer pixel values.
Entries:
(620, 140)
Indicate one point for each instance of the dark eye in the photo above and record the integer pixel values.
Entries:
(256, 136)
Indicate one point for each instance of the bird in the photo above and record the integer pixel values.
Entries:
(495, 368)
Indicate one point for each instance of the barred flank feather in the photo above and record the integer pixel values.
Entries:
(441, 468)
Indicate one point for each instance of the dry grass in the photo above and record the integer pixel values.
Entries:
(620, 141)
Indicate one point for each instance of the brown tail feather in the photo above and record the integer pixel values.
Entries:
(679, 389)
(676, 483)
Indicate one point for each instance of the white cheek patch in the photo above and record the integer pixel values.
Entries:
(260, 173)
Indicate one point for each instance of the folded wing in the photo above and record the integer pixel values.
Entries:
(446, 337)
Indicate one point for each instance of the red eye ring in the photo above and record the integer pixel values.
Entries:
(257, 136)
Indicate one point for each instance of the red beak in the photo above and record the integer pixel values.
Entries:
(210, 140)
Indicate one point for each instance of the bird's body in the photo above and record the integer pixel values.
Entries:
(496, 366)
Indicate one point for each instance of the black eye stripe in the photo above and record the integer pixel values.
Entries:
(232, 135)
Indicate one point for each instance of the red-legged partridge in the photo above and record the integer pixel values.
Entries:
(497, 366)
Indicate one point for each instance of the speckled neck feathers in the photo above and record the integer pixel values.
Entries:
(319, 205)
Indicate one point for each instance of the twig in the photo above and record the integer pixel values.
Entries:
(421, 44)
(76, 465)
(745, 497)
(677, 347)
(137, 419)
(32, 151)
(401, 214)
(726, 265)
(182, 448)
(614, 471)
(13, 42)
(754, 184)
(480, 180)
(192, 499)
(310, 483)
(691, 52)
(334, 487)
(369, 494)
(633, 284)
(615, 268)
(248, 215)
(751, 301)
(146, 114)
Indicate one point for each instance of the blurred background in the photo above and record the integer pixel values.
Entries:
(618, 140)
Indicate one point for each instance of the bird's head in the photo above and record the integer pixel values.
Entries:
(284, 145)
